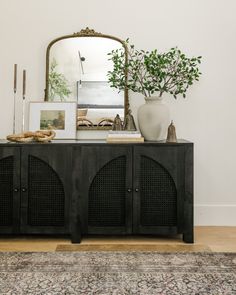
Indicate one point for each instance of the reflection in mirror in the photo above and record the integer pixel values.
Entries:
(78, 70)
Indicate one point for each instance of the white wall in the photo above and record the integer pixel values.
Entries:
(203, 27)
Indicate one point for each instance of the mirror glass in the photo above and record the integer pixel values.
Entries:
(77, 71)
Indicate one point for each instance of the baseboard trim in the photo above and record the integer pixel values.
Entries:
(215, 215)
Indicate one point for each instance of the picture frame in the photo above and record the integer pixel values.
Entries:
(57, 116)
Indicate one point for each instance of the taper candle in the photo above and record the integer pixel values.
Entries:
(15, 78)
(14, 106)
(24, 83)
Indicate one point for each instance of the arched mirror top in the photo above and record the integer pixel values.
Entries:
(76, 70)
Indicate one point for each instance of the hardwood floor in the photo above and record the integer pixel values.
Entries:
(215, 239)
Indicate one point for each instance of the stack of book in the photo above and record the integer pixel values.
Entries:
(124, 136)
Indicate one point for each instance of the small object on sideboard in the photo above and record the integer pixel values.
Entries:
(117, 125)
(124, 139)
(41, 136)
(129, 123)
(171, 134)
(124, 136)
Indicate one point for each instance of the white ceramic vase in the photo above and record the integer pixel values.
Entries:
(153, 118)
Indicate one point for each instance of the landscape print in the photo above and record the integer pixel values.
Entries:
(52, 119)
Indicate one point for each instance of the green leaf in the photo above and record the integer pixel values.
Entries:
(151, 72)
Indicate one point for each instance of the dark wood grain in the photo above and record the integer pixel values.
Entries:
(77, 164)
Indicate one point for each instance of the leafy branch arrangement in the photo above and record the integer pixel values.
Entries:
(152, 73)
(58, 84)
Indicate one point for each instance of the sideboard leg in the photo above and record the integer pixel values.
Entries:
(188, 232)
(76, 238)
(188, 237)
(76, 231)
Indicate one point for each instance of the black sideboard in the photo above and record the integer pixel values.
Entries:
(92, 187)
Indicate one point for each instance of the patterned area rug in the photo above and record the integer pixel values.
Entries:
(116, 273)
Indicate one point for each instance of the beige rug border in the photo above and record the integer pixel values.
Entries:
(122, 247)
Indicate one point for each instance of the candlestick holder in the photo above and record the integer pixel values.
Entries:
(23, 102)
(14, 99)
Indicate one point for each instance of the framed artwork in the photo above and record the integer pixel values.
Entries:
(57, 116)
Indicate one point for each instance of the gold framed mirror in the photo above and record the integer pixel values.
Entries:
(76, 70)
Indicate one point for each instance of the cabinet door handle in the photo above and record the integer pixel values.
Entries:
(16, 190)
(24, 189)
(137, 190)
(129, 190)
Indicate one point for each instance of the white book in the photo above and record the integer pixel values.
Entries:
(120, 134)
(124, 135)
(123, 131)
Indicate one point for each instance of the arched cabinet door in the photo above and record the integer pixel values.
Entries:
(158, 189)
(102, 177)
(45, 189)
(9, 189)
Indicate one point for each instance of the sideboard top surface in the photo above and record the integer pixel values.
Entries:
(91, 142)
